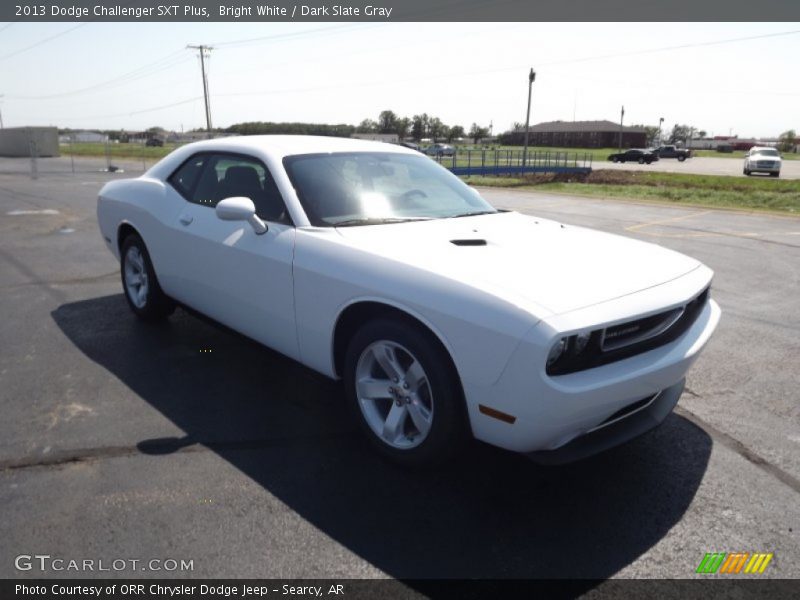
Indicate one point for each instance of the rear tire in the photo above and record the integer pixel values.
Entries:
(404, 393)
(681, 158)
(139, 282)
(615, 160)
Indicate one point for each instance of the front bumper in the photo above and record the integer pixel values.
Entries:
(615, 432)
(755, 167)
(538, 412)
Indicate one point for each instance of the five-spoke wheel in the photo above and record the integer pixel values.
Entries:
(405, 392)
(139, 281)
(394, 394)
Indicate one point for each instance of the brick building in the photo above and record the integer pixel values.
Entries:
(579, 134)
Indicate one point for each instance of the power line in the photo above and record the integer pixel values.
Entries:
(129, 114)
(669, 48)
(167, 62)
(295, 35)
(44, 41)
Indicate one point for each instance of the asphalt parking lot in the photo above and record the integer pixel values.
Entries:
(122, 440)
(702, 165)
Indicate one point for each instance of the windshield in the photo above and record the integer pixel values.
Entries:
(767, 152)
(363, 188)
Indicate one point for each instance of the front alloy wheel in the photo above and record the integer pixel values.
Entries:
(405, 393)
(394, 394)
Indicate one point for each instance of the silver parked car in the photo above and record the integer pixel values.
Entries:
(763, 160)
(440, 150)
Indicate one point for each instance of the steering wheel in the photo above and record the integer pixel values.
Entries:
(411, 193)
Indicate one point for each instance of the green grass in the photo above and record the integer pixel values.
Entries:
(137, 151)
(130, 151)
(595, 153)
(699, 190)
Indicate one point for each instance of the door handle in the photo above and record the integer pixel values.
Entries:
(186, 219)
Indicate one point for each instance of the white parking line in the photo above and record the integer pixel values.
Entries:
(43, 211)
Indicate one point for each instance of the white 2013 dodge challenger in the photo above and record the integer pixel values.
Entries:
(445, 317)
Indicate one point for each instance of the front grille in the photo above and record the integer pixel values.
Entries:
(765, 164)
(630, 338)
(619, 336)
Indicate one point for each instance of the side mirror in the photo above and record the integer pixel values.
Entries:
(240, 208)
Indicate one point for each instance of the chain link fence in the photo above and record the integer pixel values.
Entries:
(83, 155)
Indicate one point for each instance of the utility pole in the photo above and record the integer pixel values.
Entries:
(621, 116)
(660, 135)
(531, 78)
(203, 49)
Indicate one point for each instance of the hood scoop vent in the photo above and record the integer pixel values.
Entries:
(469, 242)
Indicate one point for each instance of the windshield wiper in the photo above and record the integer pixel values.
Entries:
(377, 221)
(474, 214)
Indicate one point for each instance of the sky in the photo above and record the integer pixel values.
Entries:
(138, 75)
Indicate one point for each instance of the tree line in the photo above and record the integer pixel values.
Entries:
(420, 127)
(417, 128)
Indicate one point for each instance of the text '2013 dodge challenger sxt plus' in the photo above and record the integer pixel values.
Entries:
(446, 318)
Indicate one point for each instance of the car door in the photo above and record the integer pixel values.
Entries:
(224, 269)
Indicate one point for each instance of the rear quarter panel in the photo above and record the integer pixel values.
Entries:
(142, 203)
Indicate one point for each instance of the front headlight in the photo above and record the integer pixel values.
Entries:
(556, 351)
(571, 350)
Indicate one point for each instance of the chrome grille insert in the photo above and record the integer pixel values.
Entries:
(634, 332)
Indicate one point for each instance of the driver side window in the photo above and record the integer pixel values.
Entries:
(207, 179)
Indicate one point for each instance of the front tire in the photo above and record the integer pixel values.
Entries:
(142, 291)
(641, 161)
(404, 393)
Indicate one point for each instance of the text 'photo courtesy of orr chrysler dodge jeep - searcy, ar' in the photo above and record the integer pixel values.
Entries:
(445, 318)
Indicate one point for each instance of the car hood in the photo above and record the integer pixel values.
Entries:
(526, 260)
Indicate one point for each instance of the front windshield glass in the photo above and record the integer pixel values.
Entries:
(767, 152)
(363, 188)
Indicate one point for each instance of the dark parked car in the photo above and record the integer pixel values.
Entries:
(154, 141)
(634, 155)
(411, 145)
(673, 152)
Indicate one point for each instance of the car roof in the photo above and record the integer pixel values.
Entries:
(287, 145)
(273, 146)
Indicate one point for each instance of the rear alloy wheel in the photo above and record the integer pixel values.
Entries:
(404, 393)
(142, 291)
